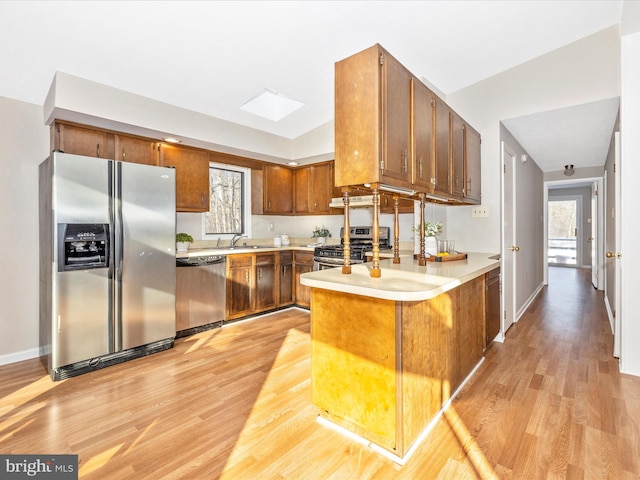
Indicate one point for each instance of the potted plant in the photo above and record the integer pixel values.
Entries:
(182, 242)
(321, 233)
(431, 229)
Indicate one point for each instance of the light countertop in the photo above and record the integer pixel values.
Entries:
(406, 281)
(206, 251)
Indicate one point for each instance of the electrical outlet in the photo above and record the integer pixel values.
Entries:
(479, 211)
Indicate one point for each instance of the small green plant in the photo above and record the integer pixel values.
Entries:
(320, 232)
(430, 228)
(183, 238)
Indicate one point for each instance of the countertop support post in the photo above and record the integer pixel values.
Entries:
(375, 268)
(396, 229)
(422, 261)
(346, 266)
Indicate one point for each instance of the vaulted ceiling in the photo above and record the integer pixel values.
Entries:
(213, 56)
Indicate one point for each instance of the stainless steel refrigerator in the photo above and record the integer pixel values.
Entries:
(107, 262)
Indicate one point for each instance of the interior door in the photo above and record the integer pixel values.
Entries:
(616, 255)
(597, 234)
(509, 244)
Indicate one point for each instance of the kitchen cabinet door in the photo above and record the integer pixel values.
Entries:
(396, 122)
(136, 150)
(277, 190)
(240, 300)
(313, 189)
(301, 190)
(387, 204)
(266, 288)
(458, 179)
(441, 147)
(303, 263)
(285, 283)
(473, 191)
(192, 176)
(372, 120)
(422, 127)
(80, 140)
(492, 305)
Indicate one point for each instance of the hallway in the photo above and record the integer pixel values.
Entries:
(550, 402)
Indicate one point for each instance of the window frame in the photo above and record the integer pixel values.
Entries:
(246, 201)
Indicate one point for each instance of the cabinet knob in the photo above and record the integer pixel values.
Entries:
(124, 154)
(98, 150)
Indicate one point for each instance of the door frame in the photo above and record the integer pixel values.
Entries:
(508, 239)
(570, 183)
(579, 227)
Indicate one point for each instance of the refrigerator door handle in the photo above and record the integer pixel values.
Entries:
(118, 250)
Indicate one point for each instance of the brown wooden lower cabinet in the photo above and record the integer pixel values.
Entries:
(302, 263)
(383, 368)
(257, 282)
(240, 301)
(492, 305)
(286, 279)
(266, 287)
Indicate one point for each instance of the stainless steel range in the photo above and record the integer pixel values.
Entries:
(361, 242)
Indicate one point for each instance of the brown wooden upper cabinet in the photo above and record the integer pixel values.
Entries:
(79, 140)
(372, 120)
(313, 187)
(473, 191)
(457, 156)
(441, 179)
(192, 175)
(392, 129)
(136, 150)
(422, 127)
(277, 190)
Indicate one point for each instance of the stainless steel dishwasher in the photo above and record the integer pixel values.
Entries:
(200, 293)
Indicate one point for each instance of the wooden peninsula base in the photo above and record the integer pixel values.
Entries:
(383, 368)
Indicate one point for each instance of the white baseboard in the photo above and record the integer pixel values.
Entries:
(609, 313)
(529, 301)
(19, 356)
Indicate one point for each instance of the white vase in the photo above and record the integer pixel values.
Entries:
(182, 247)
(430, 246)
(321, 240)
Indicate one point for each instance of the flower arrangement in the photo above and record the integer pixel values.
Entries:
(320, 232)
(431, 229)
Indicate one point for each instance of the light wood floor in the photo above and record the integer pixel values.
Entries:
(234, 403)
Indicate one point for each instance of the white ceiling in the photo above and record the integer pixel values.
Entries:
(213, 56)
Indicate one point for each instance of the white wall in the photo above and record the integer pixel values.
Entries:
(581, 72)
(630, 232)
(25, 143)
(529, 223)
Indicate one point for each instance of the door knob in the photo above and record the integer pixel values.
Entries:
(515, 249)
(612, 255)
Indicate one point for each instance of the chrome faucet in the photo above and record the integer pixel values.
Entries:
(235, 239)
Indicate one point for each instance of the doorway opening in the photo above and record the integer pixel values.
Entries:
(563, 215)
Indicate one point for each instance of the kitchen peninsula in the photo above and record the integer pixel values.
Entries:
(387, 353)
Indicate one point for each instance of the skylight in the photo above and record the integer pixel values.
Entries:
(271, 105)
